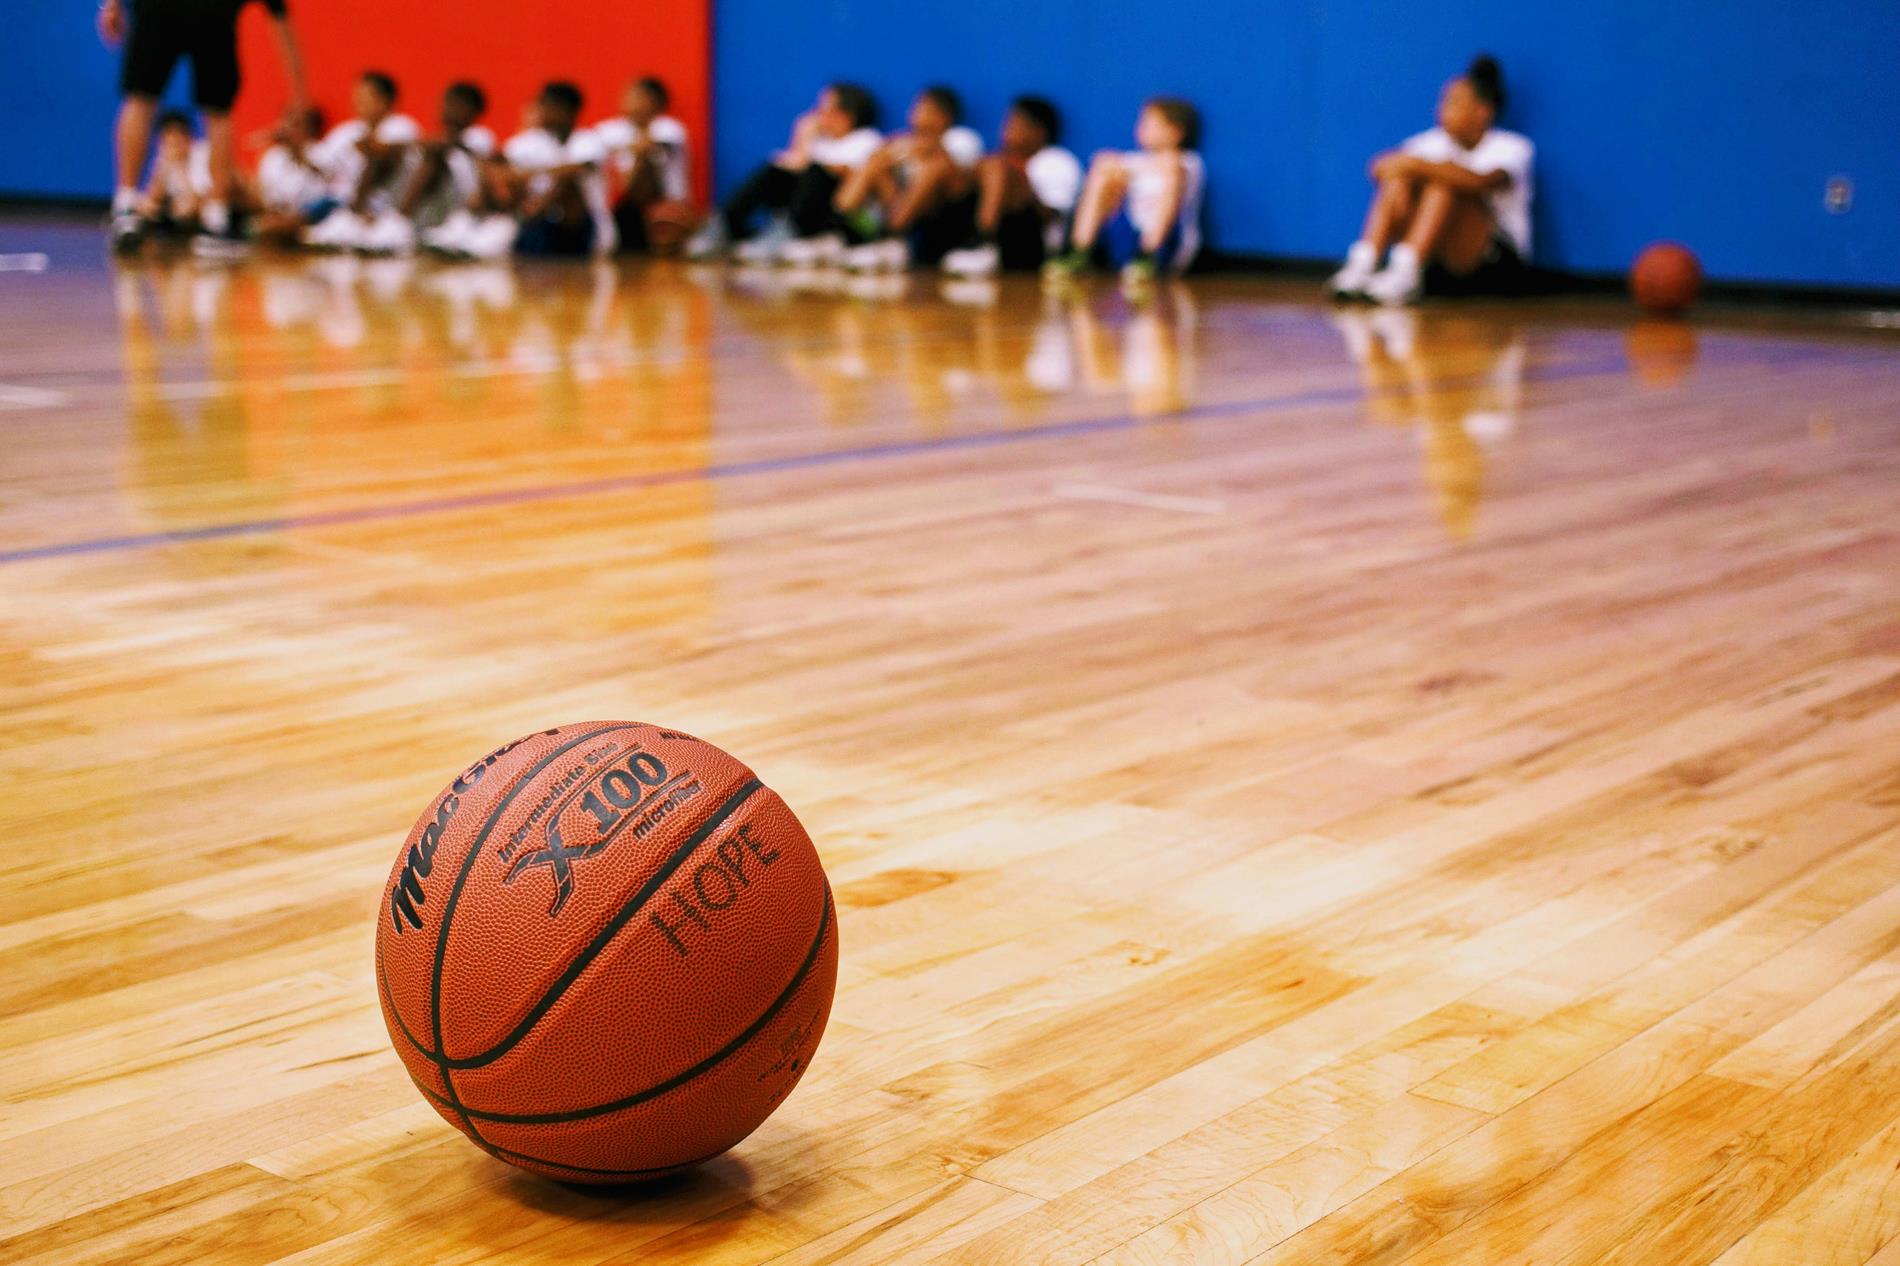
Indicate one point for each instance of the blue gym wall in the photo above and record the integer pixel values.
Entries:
(1714, 121)
(1717, 122)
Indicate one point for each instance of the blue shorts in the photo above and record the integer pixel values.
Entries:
(549, 235)
(1121, 241)
(318, 210)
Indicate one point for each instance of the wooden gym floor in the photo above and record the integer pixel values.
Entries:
(1300, 787)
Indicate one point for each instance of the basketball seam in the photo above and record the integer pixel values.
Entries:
(455, 896)
(731, 1048)
(703, 832)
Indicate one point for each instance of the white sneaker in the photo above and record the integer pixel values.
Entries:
(974, 261)
(1400, 282)
(451, 236)
(1362, 263)
(341, 230)
(493, 237)
(891, 255)
(709, 243)
(390, 233)
(823, 251)
(758, 251)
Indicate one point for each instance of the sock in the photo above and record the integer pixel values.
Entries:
(124, 198)
(1403, 259)
(1361, 254)
(216, 218)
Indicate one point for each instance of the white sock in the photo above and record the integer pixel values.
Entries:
(124, 198)
(1403, 259)
(216, 217)
(1362, 254)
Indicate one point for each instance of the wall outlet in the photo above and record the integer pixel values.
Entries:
(1839, 196)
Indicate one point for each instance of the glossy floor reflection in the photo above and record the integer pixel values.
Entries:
(1299, 784)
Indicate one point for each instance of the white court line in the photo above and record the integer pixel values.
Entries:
(14, 396)
(1145, 500)
(24, 262)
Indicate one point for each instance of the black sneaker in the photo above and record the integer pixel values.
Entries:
(127, 229)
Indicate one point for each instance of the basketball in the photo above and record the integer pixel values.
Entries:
(1666, 278)
(606, 952)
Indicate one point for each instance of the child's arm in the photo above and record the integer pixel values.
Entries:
(1462, 179)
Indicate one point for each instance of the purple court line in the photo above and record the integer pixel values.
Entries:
(742, 469)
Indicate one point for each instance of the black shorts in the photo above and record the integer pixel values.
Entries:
(1022, 239)
(1501, 271)
(944, 230)
(163, 31)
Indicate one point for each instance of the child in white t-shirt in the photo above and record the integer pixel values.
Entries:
(442, 176)
(915, 197)
(365, 157)
(548, 187)
(1143, 206)
(829, 141)
(292, 191)
(180, 177)
(1453, 205)
(1026, 191)
(648, 163)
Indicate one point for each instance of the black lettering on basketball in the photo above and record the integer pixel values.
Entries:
(725, 884)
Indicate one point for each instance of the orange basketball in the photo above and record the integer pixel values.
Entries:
(1666, 278)
(606, 952)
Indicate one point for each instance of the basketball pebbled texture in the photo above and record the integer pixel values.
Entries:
(606, 952)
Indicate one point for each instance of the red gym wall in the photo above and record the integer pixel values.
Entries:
(507, 47)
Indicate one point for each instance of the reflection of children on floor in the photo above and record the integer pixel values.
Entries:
(1150, 356)
(1455, 377)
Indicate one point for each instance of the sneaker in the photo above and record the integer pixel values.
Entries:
(1399, 283)
(974, 261)
(758, 251)
(451, 236)
(341, 230)
(127, 229)
(390, 233)
(1362, 263)
(823, 251)
(709, 243)
(1138, 275)
(226, 245)
(1066, 266)
(892, 255)
(493, 237)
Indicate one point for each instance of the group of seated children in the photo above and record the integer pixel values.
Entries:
(841, 194)
(377, 183)
(1450, 212)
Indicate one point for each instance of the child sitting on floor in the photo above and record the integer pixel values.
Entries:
(1143, 207)
(647, 162)
(914, 198)
(1025, 193)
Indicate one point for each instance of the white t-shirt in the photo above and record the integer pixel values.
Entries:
(1055, 175)
(285, 184)
(1147, 192)
(1508, 152)
(337, 154)
(538, 150)
(619, 134)
(964, 145)
(852, 149)
(463, 161)
(190, 181)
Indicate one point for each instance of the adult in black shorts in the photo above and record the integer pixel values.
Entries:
(157, 35)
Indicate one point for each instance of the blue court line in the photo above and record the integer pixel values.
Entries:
(757, 466)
